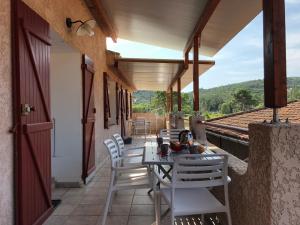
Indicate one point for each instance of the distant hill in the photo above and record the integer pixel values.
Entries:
(220, 94)
(140, 97)
(255, 86)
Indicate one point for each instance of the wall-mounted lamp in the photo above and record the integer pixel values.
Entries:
(84, 29)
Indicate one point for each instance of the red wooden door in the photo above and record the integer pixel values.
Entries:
(89, 111)
(31, 51)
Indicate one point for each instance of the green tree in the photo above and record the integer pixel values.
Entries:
(294, 93)
(158, 103)
(187, 103)
(226, 108)
(243, 100)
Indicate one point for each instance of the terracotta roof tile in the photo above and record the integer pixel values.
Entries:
(291, 111)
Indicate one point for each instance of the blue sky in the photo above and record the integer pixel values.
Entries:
(240, 60)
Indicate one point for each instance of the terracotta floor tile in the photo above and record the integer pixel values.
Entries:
(88, 210)
(64, 210)
(142, 210)
(120, 210)
(143, 200)
(115, 220)
(141, 220)
(56, 220)
(82, 220)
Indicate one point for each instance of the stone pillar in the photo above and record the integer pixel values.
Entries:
(179, 120)
(198, 128)
(172, 120)
(273, 174)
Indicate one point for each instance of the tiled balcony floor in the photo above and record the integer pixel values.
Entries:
(84, 206)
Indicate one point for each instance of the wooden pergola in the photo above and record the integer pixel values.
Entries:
(205, 36)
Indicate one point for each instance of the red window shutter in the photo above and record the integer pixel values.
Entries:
(126, 104)
(106, 100)
(122, 112)
(130, 101)
(117, 103)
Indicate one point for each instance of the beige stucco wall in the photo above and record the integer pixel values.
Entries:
(55, 13)
(266, 191)
(6, 143)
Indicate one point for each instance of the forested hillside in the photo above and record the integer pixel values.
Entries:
(216, 101)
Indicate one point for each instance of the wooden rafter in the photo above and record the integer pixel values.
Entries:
(179, 94)
(196, 73)
(171, 99)
(102, 17)
(209, 9)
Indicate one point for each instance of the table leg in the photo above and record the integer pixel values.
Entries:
(157, 207)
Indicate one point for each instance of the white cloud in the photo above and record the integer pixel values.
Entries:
(255, 42)
(293, 39)
(291, 1)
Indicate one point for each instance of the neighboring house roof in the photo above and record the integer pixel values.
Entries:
(241, 120)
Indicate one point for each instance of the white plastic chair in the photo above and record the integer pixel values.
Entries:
(141, 126)
(123, 151)
(116, 184)
(188, 193)
(170, 134)
(129, 155)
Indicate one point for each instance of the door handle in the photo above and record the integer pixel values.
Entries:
(26, 109)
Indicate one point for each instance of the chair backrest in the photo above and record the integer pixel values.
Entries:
(113, 151)
(139, 123)
(170, 134)
(204, 170)
(119, 140)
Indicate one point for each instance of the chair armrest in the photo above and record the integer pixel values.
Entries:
(135, 148)
(131, 156)
(159, 178)
(123, 168)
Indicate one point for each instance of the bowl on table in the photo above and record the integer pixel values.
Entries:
(197, 149)
(175, 146)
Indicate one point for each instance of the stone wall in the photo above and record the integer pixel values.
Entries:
(267, 191)
(6, 142)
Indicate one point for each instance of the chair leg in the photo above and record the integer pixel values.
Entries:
(202, 219)
(229, 217)
(157, 207)
(172, 217)
(108, 198)
(110, 202)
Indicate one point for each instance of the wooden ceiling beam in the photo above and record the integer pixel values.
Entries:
(209, 9)
(102, 18)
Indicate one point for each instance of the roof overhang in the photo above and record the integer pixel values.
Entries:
(169, 24)
(158, 74)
